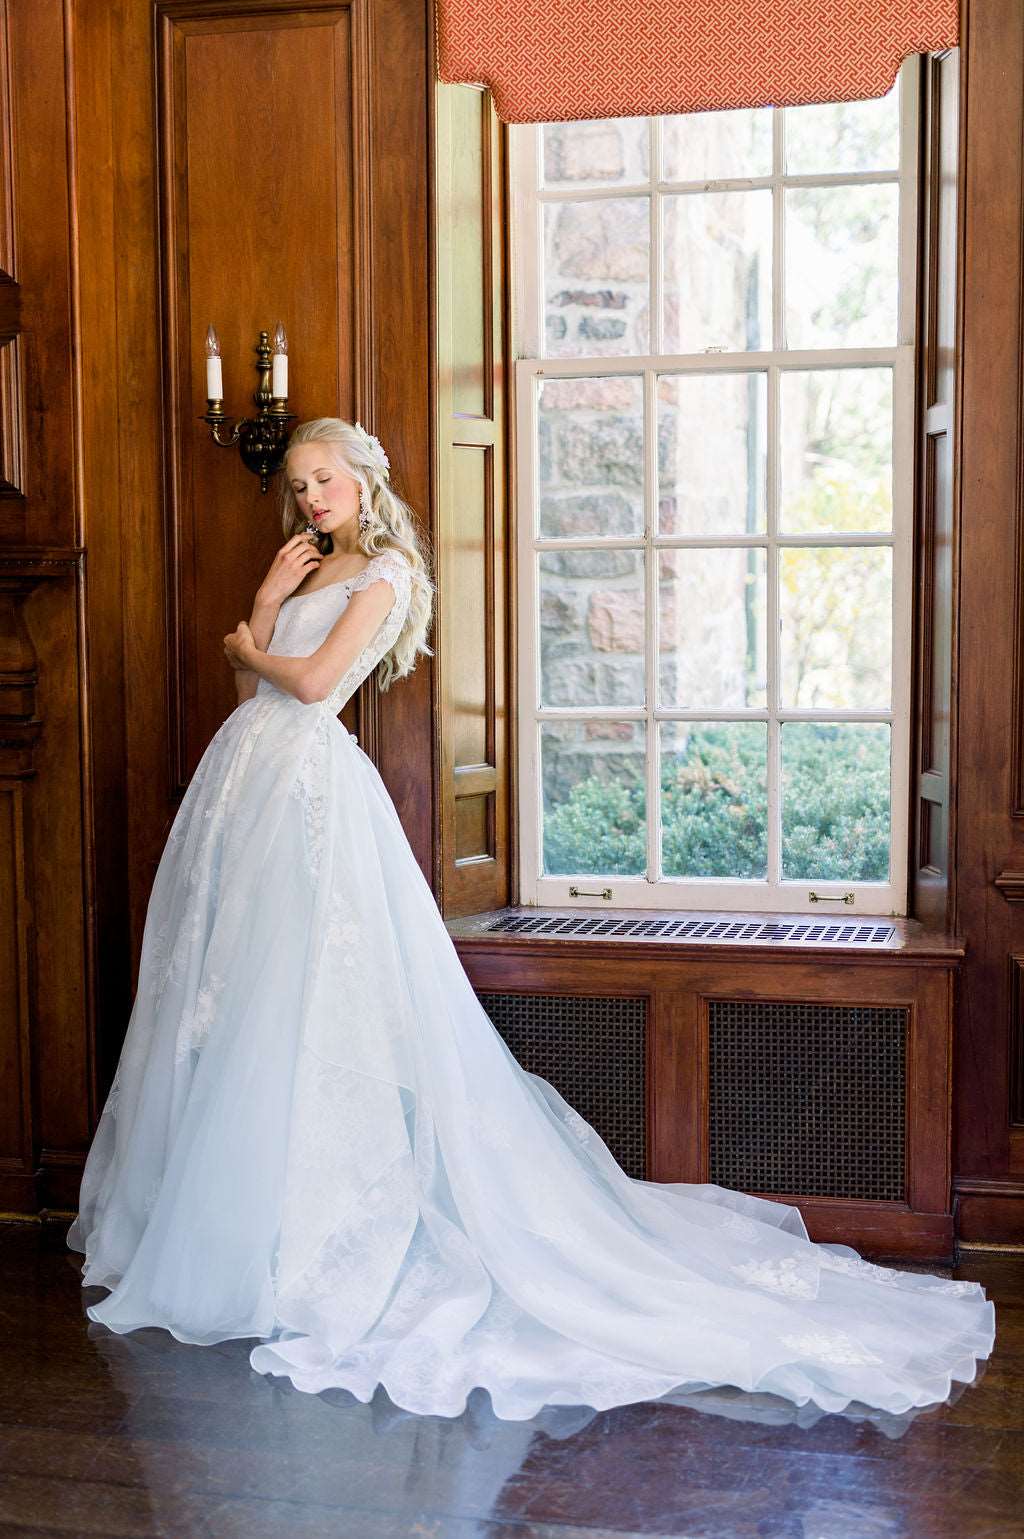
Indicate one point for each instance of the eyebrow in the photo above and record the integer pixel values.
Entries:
(316, 473)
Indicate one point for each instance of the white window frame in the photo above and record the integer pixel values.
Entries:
(588, 890)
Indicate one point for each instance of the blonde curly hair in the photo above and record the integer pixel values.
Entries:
(392, 526)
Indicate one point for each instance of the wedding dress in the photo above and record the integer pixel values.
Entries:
(315, 1137)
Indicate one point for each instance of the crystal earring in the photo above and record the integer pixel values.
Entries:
(365, 511)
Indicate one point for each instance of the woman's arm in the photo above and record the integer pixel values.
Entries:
(261, 625)
(294, 561)
(312, 678)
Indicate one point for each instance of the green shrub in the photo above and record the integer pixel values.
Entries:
(835, 808)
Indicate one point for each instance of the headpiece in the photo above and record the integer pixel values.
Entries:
(381, 461)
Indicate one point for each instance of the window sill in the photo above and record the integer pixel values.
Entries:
(908, 940)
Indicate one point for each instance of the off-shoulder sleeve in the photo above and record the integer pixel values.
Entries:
(391, 567)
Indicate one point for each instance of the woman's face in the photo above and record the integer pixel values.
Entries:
(326, 494)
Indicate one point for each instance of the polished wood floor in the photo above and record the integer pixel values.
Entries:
(140, 1435)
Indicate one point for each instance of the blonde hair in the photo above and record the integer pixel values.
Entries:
(392, 526)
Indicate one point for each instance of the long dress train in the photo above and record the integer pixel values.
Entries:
(316, 1137)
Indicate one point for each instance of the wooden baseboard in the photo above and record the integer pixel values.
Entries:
(876, 1228)
(990, 1213)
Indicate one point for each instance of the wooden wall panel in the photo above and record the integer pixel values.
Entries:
(17, 1154)
(246, 243)
(936, 527)
(46, 1021)
(39, 212)
(12, 441)
(989, 839)
(473, 572)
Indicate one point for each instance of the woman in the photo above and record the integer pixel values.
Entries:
(315, 1136)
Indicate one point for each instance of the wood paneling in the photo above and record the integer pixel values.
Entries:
(244, 245)
(935, 609)
(11, 419)
(37, 415)
(46, 1017)
(989, 838)
(472, 564)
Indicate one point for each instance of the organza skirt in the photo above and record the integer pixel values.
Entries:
(316, 1138)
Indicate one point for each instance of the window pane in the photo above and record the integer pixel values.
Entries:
(712, 431)
(605, 151)
(711, 616)
(717, 270)
(836, 451)
(703, 146)
(596, 277)
(714, 799)
(844, 136)
(591, 457)
(835, 801)
(841, 266)
(835, 613)
(592, 627)
(594, 798)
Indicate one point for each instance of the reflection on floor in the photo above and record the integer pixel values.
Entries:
(140, 1435)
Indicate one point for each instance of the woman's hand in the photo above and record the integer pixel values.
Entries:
(296, 558)
(239, 647)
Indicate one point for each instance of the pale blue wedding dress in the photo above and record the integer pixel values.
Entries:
(316, 1137)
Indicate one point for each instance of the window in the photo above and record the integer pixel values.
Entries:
(714, 320)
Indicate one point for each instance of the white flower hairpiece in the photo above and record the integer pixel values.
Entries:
(374, 444)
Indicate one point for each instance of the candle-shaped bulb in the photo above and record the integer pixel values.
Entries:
(279, 382)
(214, 372)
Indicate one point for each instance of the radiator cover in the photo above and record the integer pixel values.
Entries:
(804, 1099)
(807, 1099)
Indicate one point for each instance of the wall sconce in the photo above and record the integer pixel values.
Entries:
(262, 439)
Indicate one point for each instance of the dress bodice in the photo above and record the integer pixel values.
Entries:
(305, 619)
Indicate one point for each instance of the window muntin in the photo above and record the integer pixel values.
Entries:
(743, 750)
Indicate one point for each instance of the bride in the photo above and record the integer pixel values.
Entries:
(316, 1138)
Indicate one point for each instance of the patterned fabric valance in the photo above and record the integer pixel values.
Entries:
(550, 60)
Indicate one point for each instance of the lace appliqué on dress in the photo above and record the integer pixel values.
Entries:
(577, 1125)
(888, 1277)
(307, 789)
(831, 1347)
(743, 1228)
(783, 1276)
(195, 1026)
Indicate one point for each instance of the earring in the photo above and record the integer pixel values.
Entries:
(365, 511)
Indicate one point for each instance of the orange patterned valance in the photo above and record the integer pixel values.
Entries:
(551, 60)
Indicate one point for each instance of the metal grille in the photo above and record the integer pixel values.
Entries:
(807, 1098)
(779, 933)
(593, 1051)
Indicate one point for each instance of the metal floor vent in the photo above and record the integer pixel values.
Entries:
(808, 1098)
(779, 933)
(593, 1050)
